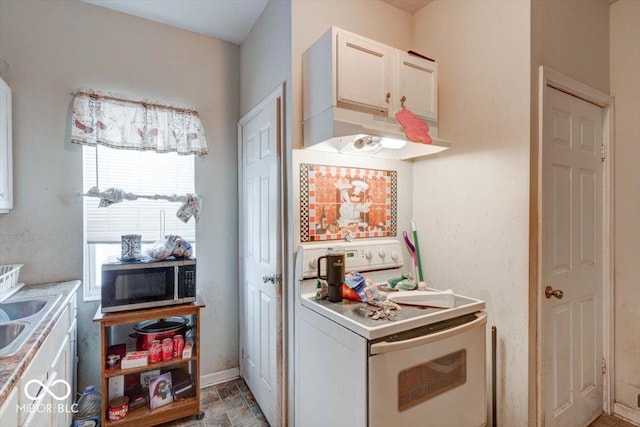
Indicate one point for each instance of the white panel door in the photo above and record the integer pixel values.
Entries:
(363, 78)
(261, 342)
(572, 260)
(418, 85)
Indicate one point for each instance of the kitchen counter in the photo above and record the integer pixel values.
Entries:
(12, 367)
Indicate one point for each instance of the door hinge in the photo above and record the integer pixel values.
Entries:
(603, 152)
(604, 366)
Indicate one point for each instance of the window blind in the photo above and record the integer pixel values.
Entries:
(140, 172)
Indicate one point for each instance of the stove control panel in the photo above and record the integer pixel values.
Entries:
(359, 255)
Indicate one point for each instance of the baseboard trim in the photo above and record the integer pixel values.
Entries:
(219, 377)
(628, 414)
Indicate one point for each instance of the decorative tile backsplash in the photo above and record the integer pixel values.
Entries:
(337, 200)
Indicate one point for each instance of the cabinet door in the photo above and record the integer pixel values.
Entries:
(6, 174)
(363, 73)
(73, 355)
(418, 83)
(40, 413)
(61, 386)
(9, 410)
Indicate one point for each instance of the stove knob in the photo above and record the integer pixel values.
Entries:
(313, 264)
(382, 253)
(368, 254)
(394, 255)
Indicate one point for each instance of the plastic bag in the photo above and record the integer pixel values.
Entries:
(362, 286)
(171, 245)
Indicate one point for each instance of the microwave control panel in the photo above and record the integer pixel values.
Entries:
(189, 281)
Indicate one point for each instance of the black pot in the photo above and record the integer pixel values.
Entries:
(150, 330)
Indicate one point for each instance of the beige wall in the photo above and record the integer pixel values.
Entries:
(265, 55)
(53, 47)
(572, 38)
(625, 87)
(471, 206)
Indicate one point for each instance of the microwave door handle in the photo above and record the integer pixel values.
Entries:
(175, 282)
(386, 347)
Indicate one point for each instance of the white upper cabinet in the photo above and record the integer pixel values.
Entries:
(346, 70)
(6, 174)
(417, 85)
(354, 86)
(364, 73)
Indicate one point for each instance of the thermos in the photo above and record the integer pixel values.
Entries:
(334, 273)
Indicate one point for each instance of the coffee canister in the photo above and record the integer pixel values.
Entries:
(131, 247)
(118, 408)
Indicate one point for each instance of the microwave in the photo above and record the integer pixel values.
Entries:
(147, 283)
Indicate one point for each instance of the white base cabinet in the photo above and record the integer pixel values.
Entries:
(54, 365)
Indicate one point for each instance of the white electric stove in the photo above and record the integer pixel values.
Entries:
(379, 261)
(380, 372)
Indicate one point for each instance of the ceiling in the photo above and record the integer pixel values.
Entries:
(229, 20)
(411, 6)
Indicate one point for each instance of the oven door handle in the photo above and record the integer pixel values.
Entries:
(387, 347)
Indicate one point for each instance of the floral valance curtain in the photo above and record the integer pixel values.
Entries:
(118, 122)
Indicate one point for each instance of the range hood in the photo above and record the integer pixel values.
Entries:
(341, 130)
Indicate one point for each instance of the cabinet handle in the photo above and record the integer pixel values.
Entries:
(388, 97)
(402, 100)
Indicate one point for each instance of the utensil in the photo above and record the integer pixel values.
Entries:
(412, 248)
(417, 253)
(439, 299)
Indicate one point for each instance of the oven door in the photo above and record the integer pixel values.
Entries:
(134, 288)
(438, 379)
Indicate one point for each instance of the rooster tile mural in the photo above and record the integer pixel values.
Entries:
(342, 202)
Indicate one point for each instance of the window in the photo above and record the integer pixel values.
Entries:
(138, 172)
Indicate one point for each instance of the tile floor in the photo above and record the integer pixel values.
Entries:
(229, 404)
(610, 421)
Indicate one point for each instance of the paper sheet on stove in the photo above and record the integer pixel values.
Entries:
(439, 299)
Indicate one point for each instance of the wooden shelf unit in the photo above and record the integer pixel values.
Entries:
(172, 411)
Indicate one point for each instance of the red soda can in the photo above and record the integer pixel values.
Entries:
(178, 345)
(167, 349)
(155, 351)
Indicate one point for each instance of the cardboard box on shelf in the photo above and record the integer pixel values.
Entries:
(135, 359)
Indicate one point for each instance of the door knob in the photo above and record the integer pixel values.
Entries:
(549, 292)
(271, 278)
